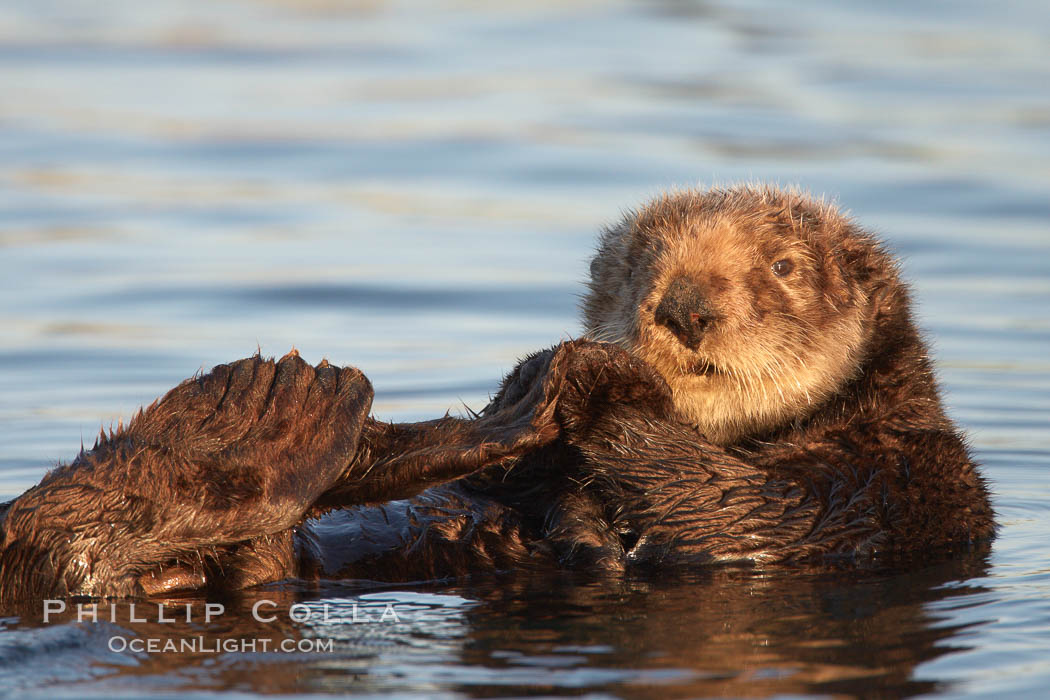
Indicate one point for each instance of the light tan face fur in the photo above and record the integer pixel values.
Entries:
(778, 346)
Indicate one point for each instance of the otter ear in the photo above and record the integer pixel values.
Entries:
(886, 298)
(595, 267)
(876, 274)
(862, 266)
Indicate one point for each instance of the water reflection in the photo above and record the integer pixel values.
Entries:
(735, 633)
(415, 189)
(724, 632)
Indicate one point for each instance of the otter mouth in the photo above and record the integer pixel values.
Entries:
(704, 368)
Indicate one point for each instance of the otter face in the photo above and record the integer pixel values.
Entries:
(742, 299)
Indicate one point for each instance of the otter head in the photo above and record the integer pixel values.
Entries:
(753, 303)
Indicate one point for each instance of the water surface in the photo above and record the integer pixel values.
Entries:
(415, 188)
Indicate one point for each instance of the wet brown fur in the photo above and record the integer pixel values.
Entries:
(820, 434)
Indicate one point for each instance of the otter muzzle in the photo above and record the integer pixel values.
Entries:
(684, 311)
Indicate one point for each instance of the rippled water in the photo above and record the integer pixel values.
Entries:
(415, 189)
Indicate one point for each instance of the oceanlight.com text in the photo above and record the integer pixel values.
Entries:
(201, 645)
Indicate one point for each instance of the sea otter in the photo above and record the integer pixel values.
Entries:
(751, 388)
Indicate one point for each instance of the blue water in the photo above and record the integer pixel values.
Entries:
(415, 188)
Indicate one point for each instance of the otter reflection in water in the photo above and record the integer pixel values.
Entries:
(752, 388)
(716, 631)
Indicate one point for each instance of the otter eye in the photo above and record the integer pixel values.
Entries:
(781, 268)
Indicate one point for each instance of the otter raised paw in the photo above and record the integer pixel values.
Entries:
(234, 454)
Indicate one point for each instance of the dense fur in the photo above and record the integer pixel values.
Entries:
(776, 347)
(746, 410)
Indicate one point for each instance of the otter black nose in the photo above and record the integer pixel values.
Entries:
(685, 312)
